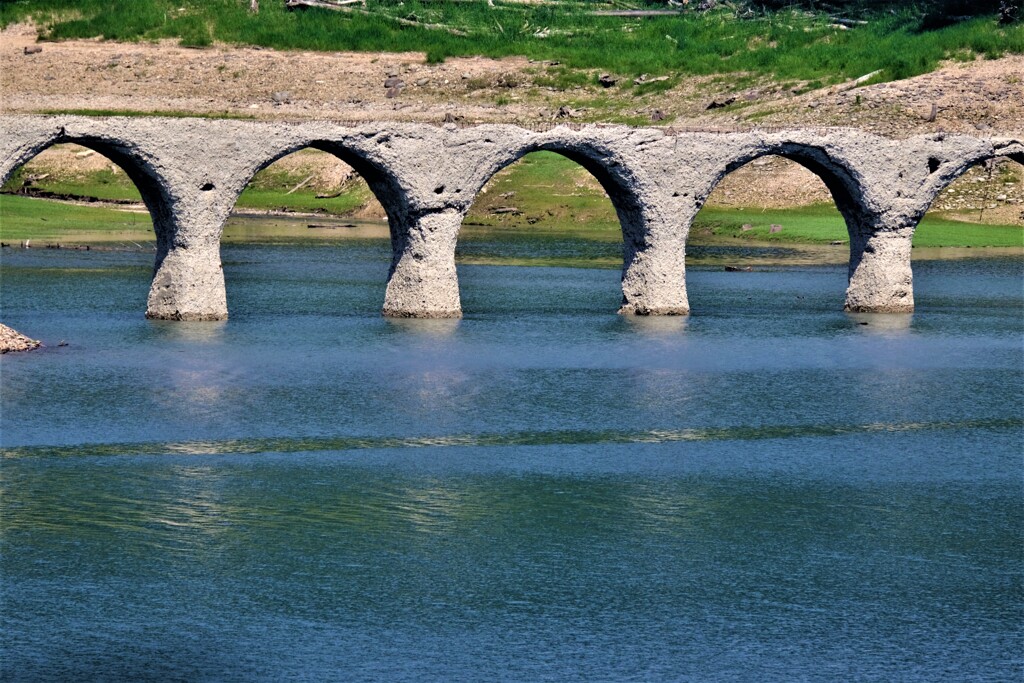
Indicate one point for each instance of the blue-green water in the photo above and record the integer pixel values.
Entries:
(542, 491)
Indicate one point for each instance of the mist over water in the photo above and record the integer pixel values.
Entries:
(542, 490)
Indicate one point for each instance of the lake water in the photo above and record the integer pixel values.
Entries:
(770, 489)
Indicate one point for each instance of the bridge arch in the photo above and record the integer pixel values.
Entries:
(158, 190)
(385, 183)
(838, 175)
(143, 170)
(616, 178)
(944, 173)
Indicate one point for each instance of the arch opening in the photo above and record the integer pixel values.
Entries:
(982, 207)
(96, 173)
(547, 206)
(314, 196)
(780, 208)
(84, 194)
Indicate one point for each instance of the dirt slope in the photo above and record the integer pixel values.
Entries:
(244, 81)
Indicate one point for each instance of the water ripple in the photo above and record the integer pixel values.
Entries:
(522, 438)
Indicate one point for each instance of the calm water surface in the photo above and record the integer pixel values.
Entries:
(543, 490)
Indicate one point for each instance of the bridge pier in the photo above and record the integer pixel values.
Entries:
(654, 269)
(188, 284)
(423, 282)
(881, 279)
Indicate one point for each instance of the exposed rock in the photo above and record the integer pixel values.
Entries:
(644, 79)
(394, 82)
(282, 97)
(11, 340)
(607, 80)
(721, 102)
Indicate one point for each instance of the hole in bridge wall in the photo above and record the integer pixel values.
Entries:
(983, 207)
(933, 165)
(72, 172)
(207, 187)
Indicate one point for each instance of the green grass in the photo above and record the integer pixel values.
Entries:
(822, 224)
(267, 192)
(305, 202)
(786, 44)
(24, 218)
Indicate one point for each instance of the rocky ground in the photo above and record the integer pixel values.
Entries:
(986, 96)
(10, 340)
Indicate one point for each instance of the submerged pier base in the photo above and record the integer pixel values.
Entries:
(881, 278)
(423, 282)
(188, 284)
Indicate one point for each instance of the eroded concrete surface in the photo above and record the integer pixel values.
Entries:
(191, 171)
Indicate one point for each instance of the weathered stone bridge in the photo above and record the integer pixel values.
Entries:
(191, 171)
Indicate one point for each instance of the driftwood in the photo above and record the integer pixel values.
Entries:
(323, 4)
(300, 185)
(346, 6)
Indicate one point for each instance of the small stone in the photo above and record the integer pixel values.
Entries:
(657, 115)
(746, 227)
(774, 229)
(1001, 198)
(282, 97)
(392, 93)
(394, 82)
(33, 50)
(607, 80)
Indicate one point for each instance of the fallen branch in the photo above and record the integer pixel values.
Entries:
(299, 186)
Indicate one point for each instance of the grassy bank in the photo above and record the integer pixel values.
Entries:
(787, 44)
(28, 218)
(544, 194)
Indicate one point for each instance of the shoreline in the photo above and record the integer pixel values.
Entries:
(795, 254)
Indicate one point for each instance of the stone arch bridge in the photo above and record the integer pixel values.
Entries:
(190, 172)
